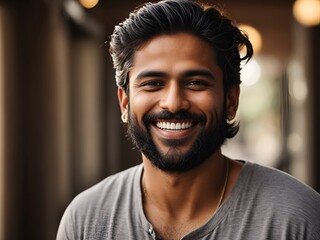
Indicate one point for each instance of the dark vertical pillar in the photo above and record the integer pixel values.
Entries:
(316, 105)
(36, 133)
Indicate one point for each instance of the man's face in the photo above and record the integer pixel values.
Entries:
(176, 102)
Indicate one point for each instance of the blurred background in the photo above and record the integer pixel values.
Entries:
(60, 126)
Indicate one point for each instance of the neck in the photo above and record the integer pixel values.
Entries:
(185, 194)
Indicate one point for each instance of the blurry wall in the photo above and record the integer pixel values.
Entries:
(36, 148)
(60, 127)
(52, 109)
(2, 124)
(303, 74)
(60, 123)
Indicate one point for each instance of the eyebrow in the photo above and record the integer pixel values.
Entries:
(145, 74)
(198, 72)
(189, 73)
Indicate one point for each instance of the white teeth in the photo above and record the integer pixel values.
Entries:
(174, 126)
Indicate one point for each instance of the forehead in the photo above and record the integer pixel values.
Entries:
(184, 40)
(173, 54)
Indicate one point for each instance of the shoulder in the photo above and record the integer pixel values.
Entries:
(281, 193)
(109, 189)
(279, 182)
(100, 201)
(276, 204)
(90, 213)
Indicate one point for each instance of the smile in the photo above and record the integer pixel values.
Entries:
(174, 126)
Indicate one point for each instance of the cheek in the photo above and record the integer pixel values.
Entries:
(207, 101)
(211, 105)
(140, 104)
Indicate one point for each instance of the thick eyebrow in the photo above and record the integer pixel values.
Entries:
(186, 74)
(198, 72)
(146, 74)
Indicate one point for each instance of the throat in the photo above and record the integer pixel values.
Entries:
(179, 215)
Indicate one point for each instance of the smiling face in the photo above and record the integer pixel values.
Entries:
(176, 102)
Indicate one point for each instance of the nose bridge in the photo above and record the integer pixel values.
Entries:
(173, 98)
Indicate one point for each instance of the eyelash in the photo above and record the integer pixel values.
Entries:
(197, 82)
(152, 83)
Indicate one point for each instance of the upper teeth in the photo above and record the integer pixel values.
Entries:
(173, 126)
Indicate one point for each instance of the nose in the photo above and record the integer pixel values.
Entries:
(173, 99)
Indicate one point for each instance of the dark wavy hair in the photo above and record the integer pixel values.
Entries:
(176, 16)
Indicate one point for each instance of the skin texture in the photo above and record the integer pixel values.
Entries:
(179, 73)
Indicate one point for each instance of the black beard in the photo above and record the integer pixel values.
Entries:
(174, 161)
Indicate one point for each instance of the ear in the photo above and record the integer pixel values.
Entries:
(123, 100)
(233, 101)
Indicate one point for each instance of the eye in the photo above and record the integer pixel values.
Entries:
(197, 84)
(151, 85)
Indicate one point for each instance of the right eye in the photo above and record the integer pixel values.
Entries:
(151, 85)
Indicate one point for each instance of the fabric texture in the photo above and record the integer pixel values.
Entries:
(264, 203)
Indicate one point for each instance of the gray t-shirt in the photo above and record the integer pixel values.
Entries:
(264, 204)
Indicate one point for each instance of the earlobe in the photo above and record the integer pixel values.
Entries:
(232, 102)
(123, 100)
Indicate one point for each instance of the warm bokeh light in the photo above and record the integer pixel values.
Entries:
(89, 3)
(298, 87)
(307, 12)
(250, 73)
(254, 36)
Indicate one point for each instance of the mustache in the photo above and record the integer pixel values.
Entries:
(181, 115)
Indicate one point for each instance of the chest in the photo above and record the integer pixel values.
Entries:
(173, 232)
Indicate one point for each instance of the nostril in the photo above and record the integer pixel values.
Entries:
(174, 104)
(173, 97)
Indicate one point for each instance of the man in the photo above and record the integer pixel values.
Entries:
(177, 67)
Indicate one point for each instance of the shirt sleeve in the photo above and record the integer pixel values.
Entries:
(65, 230)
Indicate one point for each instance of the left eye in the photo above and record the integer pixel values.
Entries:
(197, 84)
